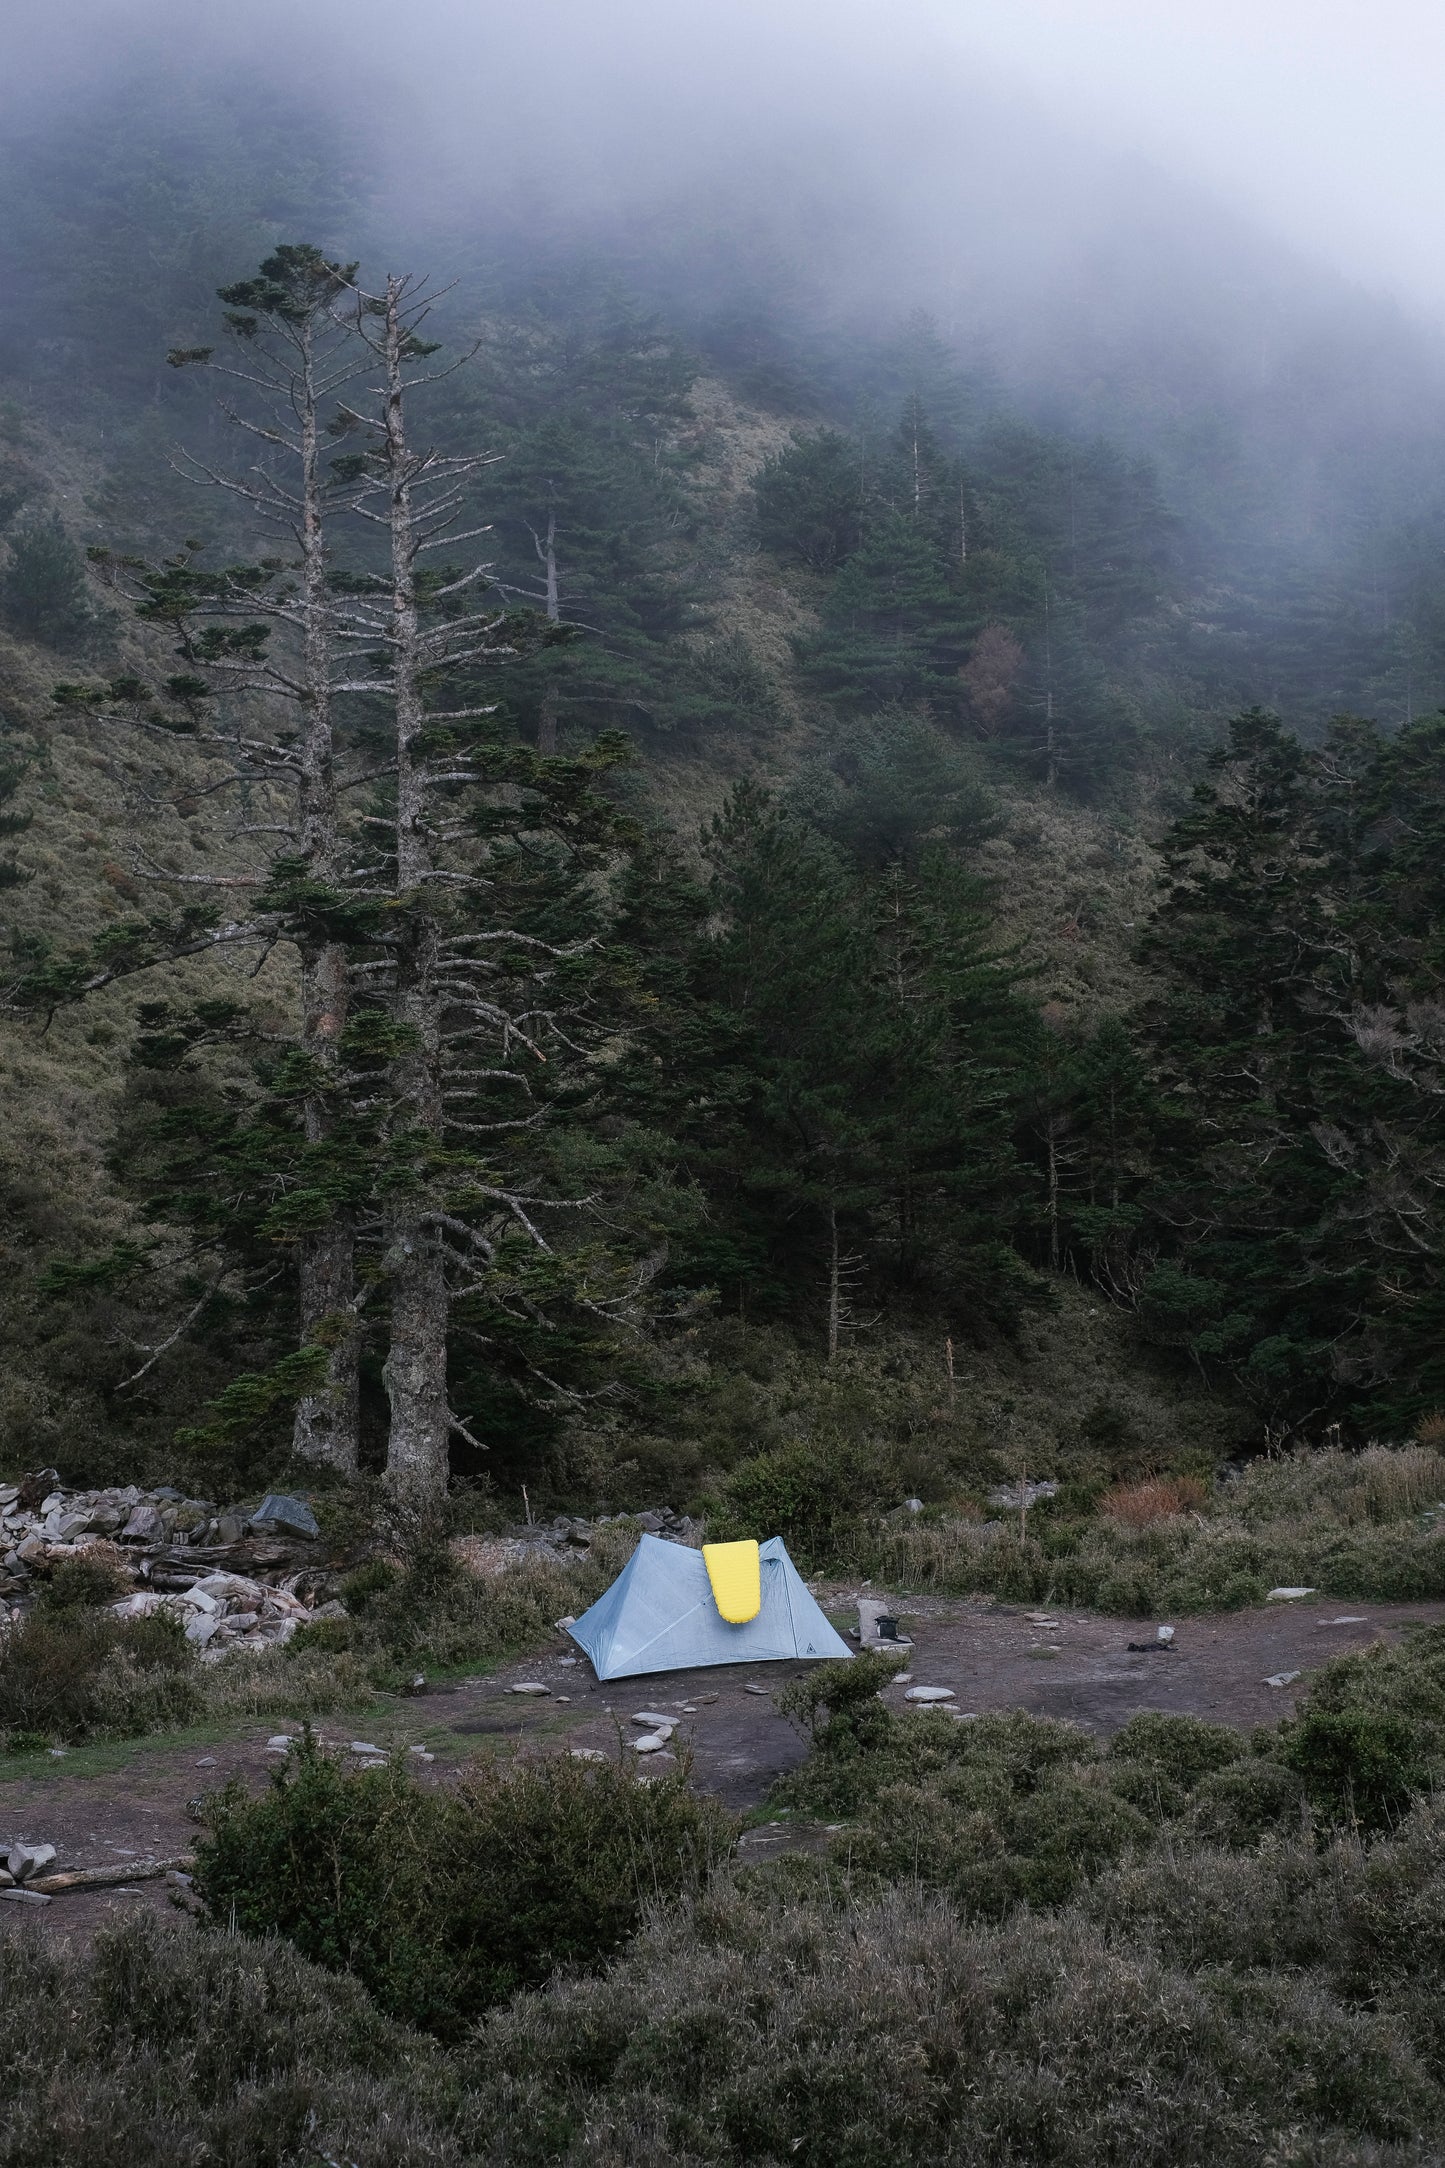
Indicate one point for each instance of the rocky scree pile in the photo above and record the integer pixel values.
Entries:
(232, 1575)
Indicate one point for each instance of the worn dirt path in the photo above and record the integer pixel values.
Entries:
(993, 1656)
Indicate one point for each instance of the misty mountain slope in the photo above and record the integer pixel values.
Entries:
(104, 806)
(973, 650)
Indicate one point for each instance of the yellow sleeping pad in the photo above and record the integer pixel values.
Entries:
(737, 1580)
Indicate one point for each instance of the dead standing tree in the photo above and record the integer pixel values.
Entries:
(481, 1010)
(471, 1002)
(297, 354)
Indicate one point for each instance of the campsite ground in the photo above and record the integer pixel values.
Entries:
(134, 1799)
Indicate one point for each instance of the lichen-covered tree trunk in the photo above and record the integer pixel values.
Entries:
(326, 1423)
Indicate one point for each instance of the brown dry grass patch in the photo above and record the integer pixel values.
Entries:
(1158, 1498)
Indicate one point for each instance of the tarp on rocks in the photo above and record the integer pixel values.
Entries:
(660, 1615)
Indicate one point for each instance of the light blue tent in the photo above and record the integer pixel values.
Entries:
(660, 1615)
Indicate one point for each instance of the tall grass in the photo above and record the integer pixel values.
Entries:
(1356, 1526)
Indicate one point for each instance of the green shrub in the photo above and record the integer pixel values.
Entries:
(1254, 1798)
(850, 1729)
(68, 1672)
(361, 1589)
(154, 2043)
(1182, 1748)
(1365, 1765)
(82, 1583)
(432, 1609)
(819, 1496)
(446, 1902)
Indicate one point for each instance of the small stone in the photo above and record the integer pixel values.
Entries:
(587, 1753)
(650, 1718)
(362, 1746)
(1165, 1635)
(756, 1690)
(421, 1753)
(529, 1686)
(1284, 1678)
(1351, 1620)
(207, 1761)
(566, 1663)
(25, 1896)
(281, 1744)
(652, 1744)
(417, 1683)
(1287, 1595)
(929, 1693)
(562, 1624)
(144, 1526)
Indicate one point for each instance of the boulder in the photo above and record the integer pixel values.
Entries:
(279, 1513)
(144, 1526)
(26, 1860)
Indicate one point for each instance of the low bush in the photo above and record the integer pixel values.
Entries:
(1193, 2008)
(446, 1902)
(155, 2044)
(69, 1670)
(820, 1497)
(431, 1608)
(1003, 1809)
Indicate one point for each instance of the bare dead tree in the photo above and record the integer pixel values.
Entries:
(473, 1002)
(297, 353)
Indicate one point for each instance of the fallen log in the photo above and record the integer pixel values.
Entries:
(136, 1870)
